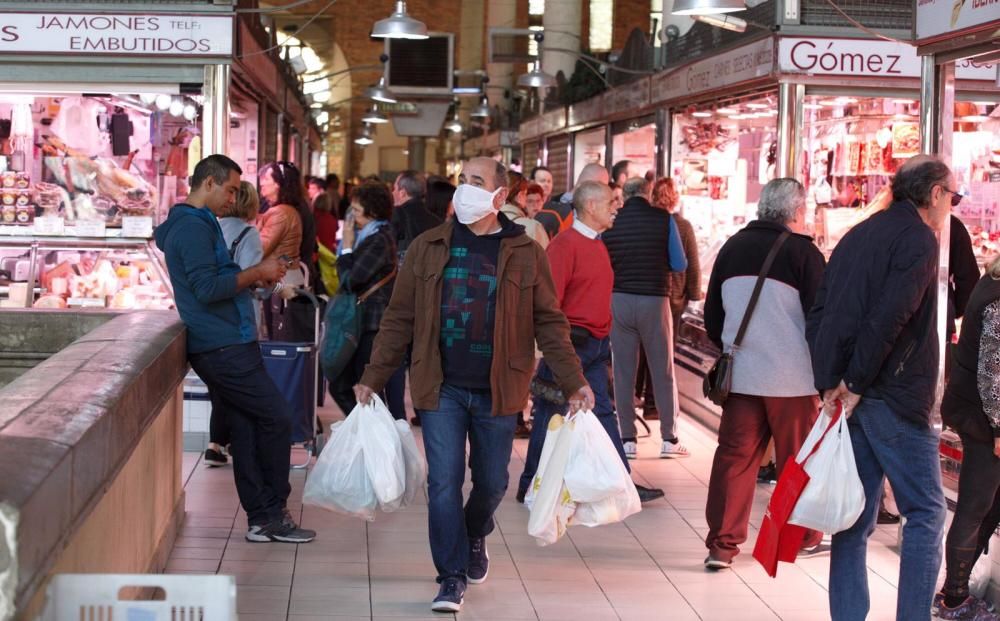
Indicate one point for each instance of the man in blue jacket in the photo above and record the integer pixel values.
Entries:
(213, 298)
(874, 344)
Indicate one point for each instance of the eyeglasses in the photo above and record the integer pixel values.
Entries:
(956, 198)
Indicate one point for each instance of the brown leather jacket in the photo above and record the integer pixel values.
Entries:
(281, 231)
(527, 309)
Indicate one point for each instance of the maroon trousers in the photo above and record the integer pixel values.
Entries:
(748, 424)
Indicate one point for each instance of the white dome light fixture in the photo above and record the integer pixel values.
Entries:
(707, 7)
(162, 102)
(176, 107)
(189, 112)
(147, 98)
(379, 92)
(399, 25)
(374, 116)
(726, 22)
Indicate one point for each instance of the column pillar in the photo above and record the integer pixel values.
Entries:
(215, 112)
(418, 153)
(789, 105)
(563, 22)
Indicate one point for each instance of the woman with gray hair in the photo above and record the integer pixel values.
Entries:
(773, 393)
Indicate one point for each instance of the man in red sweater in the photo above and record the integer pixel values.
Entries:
(583, 278)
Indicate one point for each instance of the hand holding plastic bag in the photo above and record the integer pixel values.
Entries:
(833, 499)
(383, 453)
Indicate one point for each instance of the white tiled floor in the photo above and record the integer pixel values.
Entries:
(650, 567)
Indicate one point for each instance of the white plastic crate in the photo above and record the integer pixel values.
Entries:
(95, 597)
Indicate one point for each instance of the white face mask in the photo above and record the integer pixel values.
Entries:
(472, 204)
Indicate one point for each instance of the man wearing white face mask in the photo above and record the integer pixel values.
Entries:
(472, 296)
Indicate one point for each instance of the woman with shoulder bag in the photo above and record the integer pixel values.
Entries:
(367, 268)
(971, 406)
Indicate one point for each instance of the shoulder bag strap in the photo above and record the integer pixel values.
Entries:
(236, 242)
(764, 269)
(371, 290)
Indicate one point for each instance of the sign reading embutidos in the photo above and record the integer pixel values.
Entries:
(121, 35)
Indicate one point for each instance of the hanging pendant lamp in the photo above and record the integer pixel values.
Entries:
(707, 7)
(399, 25)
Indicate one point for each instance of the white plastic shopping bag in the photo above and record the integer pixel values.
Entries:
(834, 497)
(413, 462)
(383, 453)
(339, 480)
(595, 470)
(550, 503)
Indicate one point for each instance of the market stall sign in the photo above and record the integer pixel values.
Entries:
(119, 35)
(864, 58)
(630, 97)
(939, 17)
(743, 64)
(553, 120)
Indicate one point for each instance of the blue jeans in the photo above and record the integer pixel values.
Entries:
(463, 413)
(260, 426)
(594, 356)
(887, 445)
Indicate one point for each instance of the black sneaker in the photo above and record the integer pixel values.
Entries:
(648, 494)
(521, 493)
(768, 474)
(215, 459)
(450, 596)
(885, 517)
(283, 530)
(479, 560)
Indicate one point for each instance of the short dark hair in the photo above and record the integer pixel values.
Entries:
(333, 181)
(215, 166)
(375, 200)
(917, 177)
(538, 168)
(439, 193)
(290, 188)
(619, 168)
(316, 181)
(413, 182)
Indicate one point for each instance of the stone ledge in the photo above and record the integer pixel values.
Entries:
(69, 425)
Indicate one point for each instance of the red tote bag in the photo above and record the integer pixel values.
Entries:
(778, 540)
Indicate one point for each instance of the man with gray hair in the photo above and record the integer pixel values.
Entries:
(557, 216)
(773, 393)
(645, 247)
(874, 345)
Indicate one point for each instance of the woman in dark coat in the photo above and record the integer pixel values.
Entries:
(368, 258)
(971, 406)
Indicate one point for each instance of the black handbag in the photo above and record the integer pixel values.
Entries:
(719, 379)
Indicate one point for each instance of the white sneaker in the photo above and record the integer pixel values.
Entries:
(671, 450)
(631, 449)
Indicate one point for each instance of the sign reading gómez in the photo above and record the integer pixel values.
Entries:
(120, 35)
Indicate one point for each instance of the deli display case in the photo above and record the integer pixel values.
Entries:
(83, 273)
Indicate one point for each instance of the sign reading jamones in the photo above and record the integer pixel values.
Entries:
(120, 35)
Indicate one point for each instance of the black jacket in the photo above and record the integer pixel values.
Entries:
(639, 245)
(963, 268)
(799, 265)
(410, 220)
(962, 406)
(874, 321)
(371, 261)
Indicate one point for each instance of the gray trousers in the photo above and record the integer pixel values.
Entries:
(646, 319)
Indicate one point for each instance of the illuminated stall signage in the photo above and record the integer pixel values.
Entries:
(864, 58)
(734, 67)
(121, 35)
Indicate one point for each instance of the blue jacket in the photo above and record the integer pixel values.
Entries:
(204, 280)
(874, 322)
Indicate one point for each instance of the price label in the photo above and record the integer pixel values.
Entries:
(86, 302)
(90, 228)
(49, 225)
(137, 226)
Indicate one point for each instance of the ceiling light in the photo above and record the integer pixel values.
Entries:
(978, 103)
(365, 137)
(176, 107)
(728, 111)
(482, 111)
(812, 106)
(726, 22)
(702, 114)
(374, 116)
(904, 101)
(322, 118)
(974, 118)
(536, 78)
(707, 7)
(830, 102)
(399, 25)
(379, 92)
(454, 125)
(163, 102)
(147, 98)
(189, 112)
(758, 106)
(846, 100)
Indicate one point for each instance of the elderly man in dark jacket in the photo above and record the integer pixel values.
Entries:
(873, 336)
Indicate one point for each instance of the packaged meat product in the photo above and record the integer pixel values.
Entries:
(8, 179)
(22, 181)
(8, 214)
(9, 197)
(25, 214)
(50, 301)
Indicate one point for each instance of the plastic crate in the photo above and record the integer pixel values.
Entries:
(96, 597)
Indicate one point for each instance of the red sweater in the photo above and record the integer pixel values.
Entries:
(581, 269)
